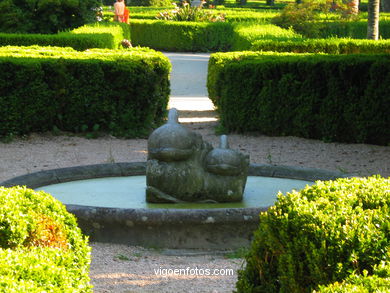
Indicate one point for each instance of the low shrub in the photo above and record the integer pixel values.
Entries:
(41, 247)
(118, 31)
(329, 46)
(378, 281)
(334, 235)
(231, 15)
(181, 36)
(203, 37)
(246, 15)
(123, 92)
(186, 12)
(246, 34)
(314, 19)
(104, 35)
(331, 97)
(351, 29)
(153, 3)
(308, 17)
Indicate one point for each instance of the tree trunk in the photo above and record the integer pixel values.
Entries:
(373, 20)
(385, 5)
(353, 7)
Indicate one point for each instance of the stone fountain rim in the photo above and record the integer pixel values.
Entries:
(84, 172)
(219, 228)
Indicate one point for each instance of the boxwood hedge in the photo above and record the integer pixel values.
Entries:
(246, 34)
(107, 35)
(330, 46)
(181, 36)
(333, 236)
(124, 92)
(351, 29)
(203, 36)
(340, 98)
(41, 247)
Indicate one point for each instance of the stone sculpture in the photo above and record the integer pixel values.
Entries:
(181, 167)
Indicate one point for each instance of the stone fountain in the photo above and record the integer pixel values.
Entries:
(187, 195)
(181, 167)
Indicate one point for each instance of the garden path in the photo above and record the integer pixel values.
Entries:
(188, 87)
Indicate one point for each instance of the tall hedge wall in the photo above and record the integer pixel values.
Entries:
(341, 98)
(124, 92)
(181, 36)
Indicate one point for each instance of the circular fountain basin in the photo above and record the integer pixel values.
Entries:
(129, 192)
(109, 203)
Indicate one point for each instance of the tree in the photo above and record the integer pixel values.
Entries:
(353, 7)
(45, 16)
(373, 20)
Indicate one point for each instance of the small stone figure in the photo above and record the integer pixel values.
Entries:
(181, 167)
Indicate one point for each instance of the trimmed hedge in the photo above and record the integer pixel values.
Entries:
(334, 235)
(246, 15)
(246, 34)
(124, 92)
(231, 15)
(340, 98)
(330, 46)
(351, 29)
(181, 36)
(202, 36)
(41, 247)
(89, 36)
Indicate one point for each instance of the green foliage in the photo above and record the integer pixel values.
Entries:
(118, 32)
(334, 231)
(231, 15)
(154, 3)
(378, 281)
(351, 29)
(246, 15)
(100, 35)
(198, 36)
(307, 17)
(331, 97)
(45, 16)
(246, 34)
(330, 46)
(181, 36)
(124, 92)
(189, 13)
(41, 247)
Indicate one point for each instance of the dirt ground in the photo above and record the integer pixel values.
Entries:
(121, 268)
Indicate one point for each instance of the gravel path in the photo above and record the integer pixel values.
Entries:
(121, 268)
